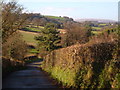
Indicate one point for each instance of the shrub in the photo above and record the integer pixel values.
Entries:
(14, 47)
(13, 52)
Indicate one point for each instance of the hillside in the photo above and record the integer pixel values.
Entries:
(29, 37)
(40, 20)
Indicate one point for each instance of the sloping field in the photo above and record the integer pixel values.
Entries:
(29, 37)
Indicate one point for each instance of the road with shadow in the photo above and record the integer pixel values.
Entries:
(31, 77)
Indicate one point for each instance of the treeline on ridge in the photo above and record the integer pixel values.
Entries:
(41, 20)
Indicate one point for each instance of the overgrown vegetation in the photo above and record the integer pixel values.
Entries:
(85, 66)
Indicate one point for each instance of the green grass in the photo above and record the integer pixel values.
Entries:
(102, 24)
(29, 37)
(97, 28)
(35, 29)
(96, 32)
(33, 51)
(60, 29)
(55, 17)
(41, 27)
(66, 76)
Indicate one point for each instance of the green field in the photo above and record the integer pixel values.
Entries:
(55, 17)
(96, 28)
(96, 32)
(41, 27)
(102, 24)
(33, 51)
(29, 37)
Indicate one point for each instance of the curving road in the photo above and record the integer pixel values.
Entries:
(32, 77)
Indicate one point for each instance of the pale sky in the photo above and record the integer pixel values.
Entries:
(98, 9)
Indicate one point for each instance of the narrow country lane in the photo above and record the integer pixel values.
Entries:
(32, 77)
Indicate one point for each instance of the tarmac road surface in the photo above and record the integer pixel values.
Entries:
(32, 77)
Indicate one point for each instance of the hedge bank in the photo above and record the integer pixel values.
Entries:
(85, 66)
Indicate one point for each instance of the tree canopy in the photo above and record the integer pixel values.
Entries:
(49, 38)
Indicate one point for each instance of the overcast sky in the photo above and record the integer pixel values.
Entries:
(98, 9)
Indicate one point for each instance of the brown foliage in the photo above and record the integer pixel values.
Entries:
(104, 37)
(84, 53)
(86, 61)
(14, 47)
(75, 34)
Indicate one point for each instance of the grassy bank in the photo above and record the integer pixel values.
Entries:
(84, 66)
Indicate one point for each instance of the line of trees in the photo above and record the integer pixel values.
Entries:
(36, 19)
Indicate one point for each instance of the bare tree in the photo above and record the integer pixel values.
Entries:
(12, 18)
(36, 21)
(75, 34)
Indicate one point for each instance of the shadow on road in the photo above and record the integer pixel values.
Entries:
(32, 77)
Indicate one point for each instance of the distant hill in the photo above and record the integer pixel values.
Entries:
(41, 20)
(96, 20)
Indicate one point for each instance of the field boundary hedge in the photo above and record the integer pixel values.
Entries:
(84, 66)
